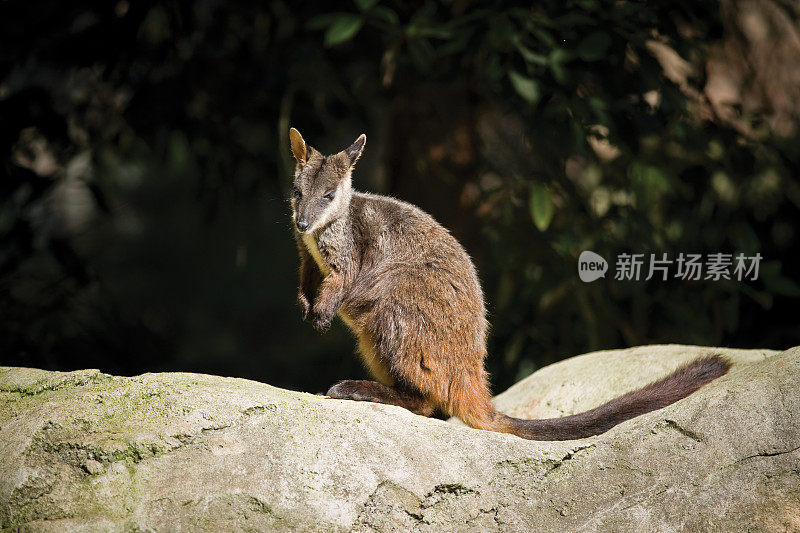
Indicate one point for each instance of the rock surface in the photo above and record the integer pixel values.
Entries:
(85, 451)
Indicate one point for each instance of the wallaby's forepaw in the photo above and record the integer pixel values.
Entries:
(305, 305)
(321, 322)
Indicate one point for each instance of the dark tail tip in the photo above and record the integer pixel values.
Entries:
(681, 383)
(705, 369)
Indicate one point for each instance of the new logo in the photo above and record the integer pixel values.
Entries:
(591, 266)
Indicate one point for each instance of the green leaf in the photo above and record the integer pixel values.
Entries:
(425, 13)
(438, 33)
(456, 44)
(594, 46)
(532, 57)
(649, 182)
(575, 20)
(544, 37)
(320, 22)
(600, 109)
(343, 28)
(422, 53)
(386, 14)
(514, 348)
(541, 206)
(775, 282)
(363, 5)
(783, 286)
(557, 58)
(526, 87)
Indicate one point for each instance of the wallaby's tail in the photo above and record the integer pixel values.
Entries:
(670, 389)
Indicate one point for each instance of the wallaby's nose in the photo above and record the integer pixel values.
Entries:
(302, 225)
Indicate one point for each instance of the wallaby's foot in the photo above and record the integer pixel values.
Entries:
(372, 391)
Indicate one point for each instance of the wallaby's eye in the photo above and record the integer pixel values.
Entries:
(329, 196)
(296, 192)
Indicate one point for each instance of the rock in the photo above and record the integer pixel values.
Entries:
(85, 451)
(585, 381)
(92, 467)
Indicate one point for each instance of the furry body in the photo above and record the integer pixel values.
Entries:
(409, 291)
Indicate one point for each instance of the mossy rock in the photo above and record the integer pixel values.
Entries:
(164, 452)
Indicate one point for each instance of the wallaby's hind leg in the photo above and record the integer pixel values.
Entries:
(372, 391)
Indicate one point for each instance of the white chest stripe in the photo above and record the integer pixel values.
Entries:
(311, 246)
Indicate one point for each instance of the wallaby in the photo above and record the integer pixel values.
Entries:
(411, 294)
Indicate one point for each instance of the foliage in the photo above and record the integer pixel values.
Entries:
(145, 167)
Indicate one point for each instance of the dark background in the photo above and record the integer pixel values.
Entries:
(144, 171)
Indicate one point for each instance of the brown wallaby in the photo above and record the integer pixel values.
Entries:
(410, 293)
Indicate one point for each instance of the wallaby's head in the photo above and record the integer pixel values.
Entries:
(322, 184)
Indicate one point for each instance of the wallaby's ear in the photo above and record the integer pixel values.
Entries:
(355, 149)
(298, 147)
